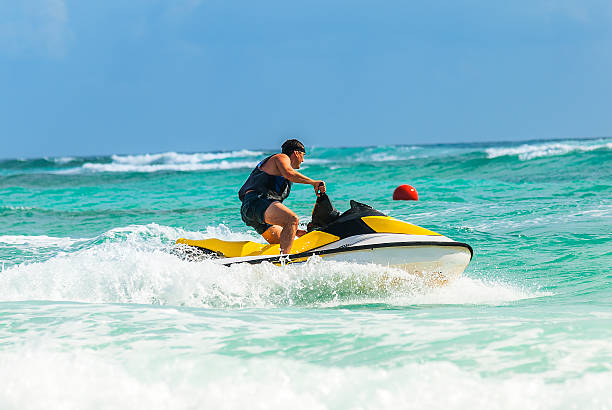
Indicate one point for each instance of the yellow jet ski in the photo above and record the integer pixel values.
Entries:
(360, 235)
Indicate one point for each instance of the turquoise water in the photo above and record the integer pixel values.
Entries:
(95, 312)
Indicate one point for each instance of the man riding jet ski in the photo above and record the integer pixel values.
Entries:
(264, 191)
(360, 235)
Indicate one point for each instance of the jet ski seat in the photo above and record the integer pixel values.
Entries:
(235, 249)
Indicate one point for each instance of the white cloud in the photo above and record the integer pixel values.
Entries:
(34, 27)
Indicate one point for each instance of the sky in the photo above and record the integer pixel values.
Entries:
(115, 76)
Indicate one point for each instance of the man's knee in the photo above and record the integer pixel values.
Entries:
(292, 219)
(278, 214)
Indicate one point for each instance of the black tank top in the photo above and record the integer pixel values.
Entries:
(275, 187)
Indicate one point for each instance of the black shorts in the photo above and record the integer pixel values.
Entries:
(254, 206)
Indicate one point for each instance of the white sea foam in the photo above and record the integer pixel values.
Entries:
(177, 158)
(120, 167)
(388, 153)
(531, 151)
(36, 377)
(16, 208)
(172, 161)
(383, 157)
(37, 241)
(133, 265)
(470, 291)
(63, 160)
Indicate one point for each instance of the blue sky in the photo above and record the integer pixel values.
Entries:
(102, 77)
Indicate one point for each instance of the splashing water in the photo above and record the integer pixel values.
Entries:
(97, 312)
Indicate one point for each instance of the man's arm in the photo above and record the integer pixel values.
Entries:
(283, 165)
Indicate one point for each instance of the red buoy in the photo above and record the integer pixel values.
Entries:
(406, 193)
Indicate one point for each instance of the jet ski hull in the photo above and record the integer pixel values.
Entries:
(448, 259)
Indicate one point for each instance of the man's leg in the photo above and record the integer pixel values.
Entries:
(272, 234)
(279, 214)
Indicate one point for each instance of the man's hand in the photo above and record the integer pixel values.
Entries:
(319, 187)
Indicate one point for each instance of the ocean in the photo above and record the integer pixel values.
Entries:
(97, 313)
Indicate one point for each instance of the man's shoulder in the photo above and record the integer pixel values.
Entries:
(273, 163)
(279, 158)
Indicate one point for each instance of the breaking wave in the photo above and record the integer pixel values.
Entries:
(119, 167)
(173, 161)
(530, 151)
(331, 157)
(134, 265)
(177, 158)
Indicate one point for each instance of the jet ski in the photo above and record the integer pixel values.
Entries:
(362, 235)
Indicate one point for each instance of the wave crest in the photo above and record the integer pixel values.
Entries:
(173, 161)
(530, 151)
(177, 158)
(114, 167)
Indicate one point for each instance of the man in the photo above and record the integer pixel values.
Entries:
(267, 187)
